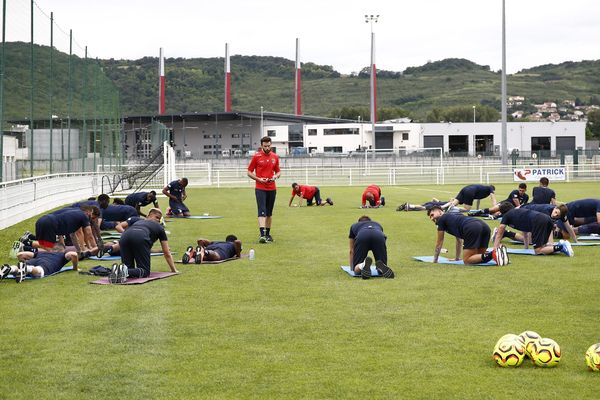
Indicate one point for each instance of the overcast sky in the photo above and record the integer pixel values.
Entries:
(334, 32)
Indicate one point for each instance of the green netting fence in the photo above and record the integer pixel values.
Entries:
(59, 112)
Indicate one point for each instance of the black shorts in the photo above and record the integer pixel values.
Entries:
(177, 207)
(476, 235)
(542, 227)
(45, 229)
(465, 197)
(265, 201)
(316, 198)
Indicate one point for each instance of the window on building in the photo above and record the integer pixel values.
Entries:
(340, 131)
(235, 146)
(404, 135)
(245, 135)
(271, 133)
(540, 143)
(207, 136)
(208, 146)
(458, 143)
(332, 149)
(312, 132)
(235, 135)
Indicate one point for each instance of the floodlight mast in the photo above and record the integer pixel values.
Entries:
(372, 19)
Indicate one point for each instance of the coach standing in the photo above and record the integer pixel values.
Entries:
(264, 169)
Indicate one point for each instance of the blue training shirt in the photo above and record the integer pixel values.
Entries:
(116, 212)
(543, 195)
(455, 224)
(584, 208)
(176, 189)
(138, 199)
(520, 218)
(358, 226)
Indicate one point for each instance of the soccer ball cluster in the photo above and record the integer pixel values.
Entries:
(511, 350)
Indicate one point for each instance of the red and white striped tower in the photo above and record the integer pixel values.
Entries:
(298, 91)
(227, 80)
(373, 82)
(161, 83)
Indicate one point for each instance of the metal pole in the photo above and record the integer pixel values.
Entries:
(85, 104)
(70, 99)
(50, 81)
(504, 149)
(31, 77)
(474, 141)
(2, 91)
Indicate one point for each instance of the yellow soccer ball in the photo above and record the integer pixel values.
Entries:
(529, 338)
(509, 352)
(545, 353)
(592, 357)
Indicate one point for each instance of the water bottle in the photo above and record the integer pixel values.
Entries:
(251, 255)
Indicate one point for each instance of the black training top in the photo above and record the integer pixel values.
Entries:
(521, 219)
(358, 226)
(455, 224)
(146, 229)
(543, 195)
(515, 194)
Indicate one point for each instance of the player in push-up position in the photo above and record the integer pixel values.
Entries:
(309, 193)
(469, 193)
(536, 228)
(141, 199)
(583, 214)
(366, 235)
(39, 264)
(372, 198)
(208, 250)
(472, 237)
(136, 245)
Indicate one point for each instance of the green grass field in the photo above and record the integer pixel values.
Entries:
(292, 325)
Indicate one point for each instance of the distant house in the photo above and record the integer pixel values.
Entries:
(517, 114)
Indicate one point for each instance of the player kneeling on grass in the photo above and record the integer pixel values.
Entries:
(309, 193)
(537, 229)
(136, 245)
(366, 235)
(39, 264)
(208, 250)
(472, 237)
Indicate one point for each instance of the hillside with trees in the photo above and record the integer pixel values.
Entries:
(440, 90)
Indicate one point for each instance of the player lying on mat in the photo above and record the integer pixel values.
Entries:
(208, 250)
(38, 265)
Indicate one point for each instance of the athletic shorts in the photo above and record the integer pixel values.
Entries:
(542, 227)
(265, 201)
(317, 198)
(476, 235)
(225, 250)
(177, 207)
(465, 197)
(45, 230)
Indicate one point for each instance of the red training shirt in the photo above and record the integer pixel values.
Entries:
(306, 192)
(264, 166)
(373, 189)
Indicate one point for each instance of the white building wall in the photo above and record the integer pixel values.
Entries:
(518, 134)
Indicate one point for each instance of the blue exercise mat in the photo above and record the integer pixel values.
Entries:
(572, 243)
(588, 237)
(374, 273)
(196, 217)
(64, 269)
(444, 260)
(113, 258)
(527, 252)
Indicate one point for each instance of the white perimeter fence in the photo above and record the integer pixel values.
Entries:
(28, 197)
(201, 174)
(25, 198)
